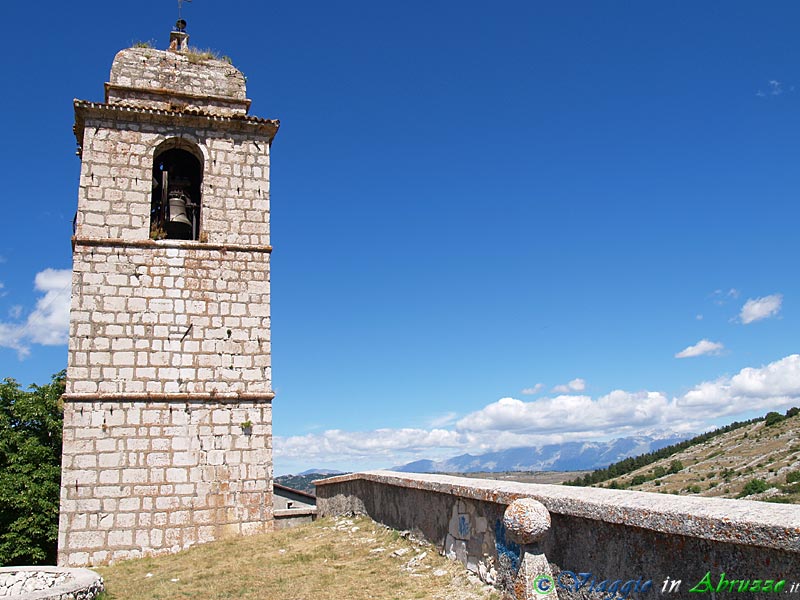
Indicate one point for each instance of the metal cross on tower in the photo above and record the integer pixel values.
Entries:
(180, 6)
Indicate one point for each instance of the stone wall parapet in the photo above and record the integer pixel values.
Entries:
(719, 519)
(499, 531)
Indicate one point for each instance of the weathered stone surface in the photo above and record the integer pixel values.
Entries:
(169, 350)
(717, 519)
(157, 488)
(117, 150)
(526, 520)
(49, 583)
(292, 517)
(150, 78)
(615, 535)
(185, 337)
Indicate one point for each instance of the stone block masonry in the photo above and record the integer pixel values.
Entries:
(167, 320)
(146, 478)
(117, 148)
(168, 407)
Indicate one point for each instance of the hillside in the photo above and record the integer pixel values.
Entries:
(760, 460)
(303, 481)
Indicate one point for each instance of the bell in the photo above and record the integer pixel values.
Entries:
(179, 227)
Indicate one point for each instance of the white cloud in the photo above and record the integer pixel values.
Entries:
(387, 445)
(568, 414)
(700, 348)
(48, 323)
(576, 385)
(533, 390)
(760, 308)
(774, 386)
(510, 422)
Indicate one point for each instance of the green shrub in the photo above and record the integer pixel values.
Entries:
(793, 476)
(638, 480)
(30, 471)
(754, 486)
(675, 466)
(772, 418)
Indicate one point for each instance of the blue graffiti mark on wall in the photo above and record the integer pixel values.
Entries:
(463, 526)
(505, 547)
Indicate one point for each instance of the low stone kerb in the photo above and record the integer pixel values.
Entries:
(49, 583)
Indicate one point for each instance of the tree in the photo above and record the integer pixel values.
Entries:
(772, 418)
(30, 471)
(675, 466)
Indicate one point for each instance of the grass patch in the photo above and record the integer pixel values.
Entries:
(199, 55)
(329, 559)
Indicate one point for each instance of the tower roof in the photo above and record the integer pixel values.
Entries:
(176, 80)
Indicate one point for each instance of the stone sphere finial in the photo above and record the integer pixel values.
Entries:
(526, 520)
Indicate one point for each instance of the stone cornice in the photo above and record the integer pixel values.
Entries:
(172, 94)
(264, 128)
(175, 397)
(179, 244)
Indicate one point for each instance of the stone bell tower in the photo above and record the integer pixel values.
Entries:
(168, 410)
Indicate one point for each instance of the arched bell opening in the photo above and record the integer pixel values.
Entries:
(175, 206)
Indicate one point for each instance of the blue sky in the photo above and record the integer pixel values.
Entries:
(472, 207)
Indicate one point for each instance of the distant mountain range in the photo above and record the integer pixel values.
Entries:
(321, 472)
(570, 456)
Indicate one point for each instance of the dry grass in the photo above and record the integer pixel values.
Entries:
(201, 55)
(355, 559)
